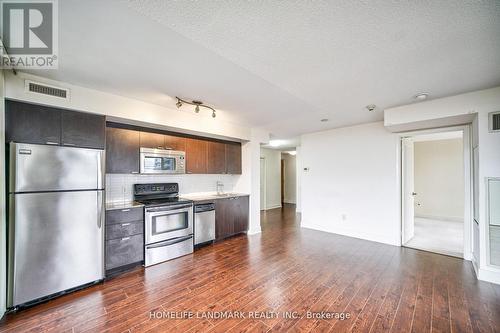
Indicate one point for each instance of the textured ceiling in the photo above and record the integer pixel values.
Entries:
(283, 65)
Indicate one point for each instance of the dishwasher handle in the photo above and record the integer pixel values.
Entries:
(204, 208)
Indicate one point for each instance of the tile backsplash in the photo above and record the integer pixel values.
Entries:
(120, 187)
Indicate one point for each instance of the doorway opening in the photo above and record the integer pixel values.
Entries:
(288, 178)
(262, 183)
(435, 192)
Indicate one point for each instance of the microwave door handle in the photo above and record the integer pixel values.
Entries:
(169, 242)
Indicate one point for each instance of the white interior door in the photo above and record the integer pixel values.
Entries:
(262, 183)
(408, 189)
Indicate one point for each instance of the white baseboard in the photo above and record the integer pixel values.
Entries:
(442, 218)
(366, 236)
(254, 231)
(272, 207)
(489, 274)
(290, 202)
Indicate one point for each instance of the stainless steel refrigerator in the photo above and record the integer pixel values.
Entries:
(56, 220)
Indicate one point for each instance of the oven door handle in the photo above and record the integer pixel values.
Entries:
(167, 209)
(169, 242)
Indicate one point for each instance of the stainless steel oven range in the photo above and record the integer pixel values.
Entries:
(168, 229)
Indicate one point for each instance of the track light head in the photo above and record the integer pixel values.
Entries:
(197, 105)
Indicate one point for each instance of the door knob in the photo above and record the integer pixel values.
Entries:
(414, 193)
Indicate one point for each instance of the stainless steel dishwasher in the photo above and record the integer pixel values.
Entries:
(204, 223)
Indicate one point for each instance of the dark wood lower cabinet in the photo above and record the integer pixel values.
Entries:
(231, 216)
(124, 239)
(224, 226)
(241, 206)
(124, 251)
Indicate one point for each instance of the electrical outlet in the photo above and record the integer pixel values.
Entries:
(344, 217)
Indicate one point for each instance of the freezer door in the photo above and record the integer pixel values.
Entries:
(56, 243)
(53, 168)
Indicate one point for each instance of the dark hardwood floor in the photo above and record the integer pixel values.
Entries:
(380, 288)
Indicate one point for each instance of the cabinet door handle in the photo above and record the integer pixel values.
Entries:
(134, 172)
(52, 143)
(126, 210)
(125, 224)
(125, 239)
(69, 144)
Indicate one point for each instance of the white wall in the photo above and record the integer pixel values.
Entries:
(298, 161)
(464, 106)
(439, 179)
(249, 181)
(290, 178)
(352, 185)
(273, 177)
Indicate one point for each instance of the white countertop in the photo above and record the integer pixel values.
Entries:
(122, 205)
(211, 196)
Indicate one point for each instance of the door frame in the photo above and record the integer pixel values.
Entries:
(468, 180)
(263, 159)
(282, 181)
(405, 191)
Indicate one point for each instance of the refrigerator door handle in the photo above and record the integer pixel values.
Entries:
(100, 210)
(100, 170)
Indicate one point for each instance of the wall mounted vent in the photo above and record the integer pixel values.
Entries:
(45, 89)
(494, 121)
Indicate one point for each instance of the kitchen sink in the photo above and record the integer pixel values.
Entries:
(224, 195)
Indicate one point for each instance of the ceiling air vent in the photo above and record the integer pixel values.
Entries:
(44, 89)
(495, 121)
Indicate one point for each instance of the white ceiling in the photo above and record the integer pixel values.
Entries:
(281, 65)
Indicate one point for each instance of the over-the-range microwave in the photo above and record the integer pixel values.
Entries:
(155, 161)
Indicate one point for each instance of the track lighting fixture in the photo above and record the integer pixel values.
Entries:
(197, 105)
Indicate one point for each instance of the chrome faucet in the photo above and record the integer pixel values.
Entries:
(220, 187)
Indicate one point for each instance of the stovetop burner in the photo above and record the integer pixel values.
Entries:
(158, 194)
(164, 201)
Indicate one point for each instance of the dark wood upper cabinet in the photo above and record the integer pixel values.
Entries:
(175, 142)
(233, 158)
(30, 123)
(122, 150)
(152, 140)
(216, 156)
(83, 129)
(196, 156)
